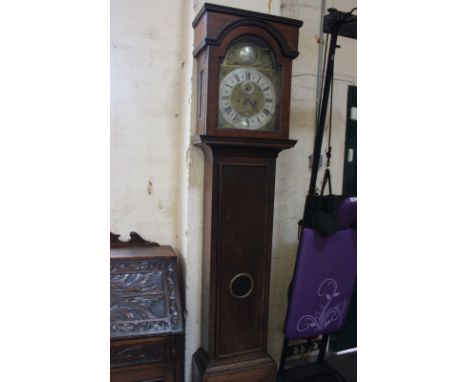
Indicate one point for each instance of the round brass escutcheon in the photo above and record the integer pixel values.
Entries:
(241, 285)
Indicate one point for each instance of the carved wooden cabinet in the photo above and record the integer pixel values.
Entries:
(146, 323)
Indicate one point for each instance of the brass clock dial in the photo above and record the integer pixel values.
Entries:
(248, 89)
(247, 99)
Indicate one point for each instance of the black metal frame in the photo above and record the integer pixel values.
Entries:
(336, 23)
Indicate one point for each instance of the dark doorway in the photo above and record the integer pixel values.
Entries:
(350, 162)
(346, 337)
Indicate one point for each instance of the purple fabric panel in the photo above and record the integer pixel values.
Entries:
(347, 213)
(323, 284)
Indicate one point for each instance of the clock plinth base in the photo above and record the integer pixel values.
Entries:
(260, 368)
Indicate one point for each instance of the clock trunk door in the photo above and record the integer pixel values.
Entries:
(245, 216)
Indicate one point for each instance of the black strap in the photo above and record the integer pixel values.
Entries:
(324, 67)
(320, 127)
(327, 175)
(326, 179)
(330, 118)
(338, 19)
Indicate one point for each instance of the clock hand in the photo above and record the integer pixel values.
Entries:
(254, 105)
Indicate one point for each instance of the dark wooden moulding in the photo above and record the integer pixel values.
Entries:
(238, 200)
(146, 327)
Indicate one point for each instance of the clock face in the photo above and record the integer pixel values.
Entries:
(248, 89)
(247, 99)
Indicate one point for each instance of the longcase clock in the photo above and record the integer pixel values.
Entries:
(244, 64)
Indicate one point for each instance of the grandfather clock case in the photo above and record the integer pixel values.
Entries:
(244, 62)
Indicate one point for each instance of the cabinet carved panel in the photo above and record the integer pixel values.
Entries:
(137, 354)
(143, 298)
(146, 322)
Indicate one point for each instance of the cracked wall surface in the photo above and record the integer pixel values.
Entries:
(146, 88)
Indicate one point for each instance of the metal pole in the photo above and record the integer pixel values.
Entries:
(320, 60)
(323, 111)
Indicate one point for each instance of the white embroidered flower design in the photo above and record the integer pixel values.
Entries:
(322, 319)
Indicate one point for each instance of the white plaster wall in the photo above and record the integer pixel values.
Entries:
(146, 90)
(272, 7)
(151, 88)
(191, 202)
